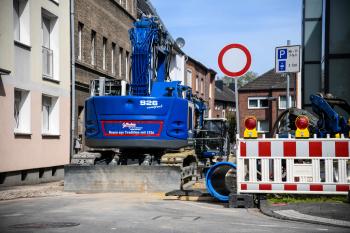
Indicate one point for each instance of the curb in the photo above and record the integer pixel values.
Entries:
(266, 210)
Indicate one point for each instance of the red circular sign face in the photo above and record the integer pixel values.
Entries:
(234, 73)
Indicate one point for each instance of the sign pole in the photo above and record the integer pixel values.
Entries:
(288, 75)
(237, 104)
(235, 74)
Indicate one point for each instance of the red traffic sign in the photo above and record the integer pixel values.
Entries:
(231, 73)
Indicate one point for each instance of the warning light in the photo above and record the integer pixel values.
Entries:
(302, 124)
(250, 127)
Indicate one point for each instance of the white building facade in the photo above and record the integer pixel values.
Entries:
(34, 90)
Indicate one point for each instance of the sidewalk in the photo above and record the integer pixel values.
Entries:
(27, 191)
(326, 213)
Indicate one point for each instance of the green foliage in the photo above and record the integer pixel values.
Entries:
(288, 198)
(248, 77)
(232, 127)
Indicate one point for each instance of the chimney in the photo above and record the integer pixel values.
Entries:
(232, 86)
(219, 84)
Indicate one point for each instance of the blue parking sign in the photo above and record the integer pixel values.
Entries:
(282, 54)
(282, 65)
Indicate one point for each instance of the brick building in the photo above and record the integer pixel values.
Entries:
(102, 45)
(202, 81)
(224, 100)
(264, 98)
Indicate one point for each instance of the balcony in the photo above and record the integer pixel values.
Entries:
(47, 63)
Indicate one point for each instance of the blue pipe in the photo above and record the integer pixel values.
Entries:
(215, 180)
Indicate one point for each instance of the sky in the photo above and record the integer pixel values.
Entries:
(208, 25)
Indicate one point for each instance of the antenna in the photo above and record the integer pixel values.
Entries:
(180, 42)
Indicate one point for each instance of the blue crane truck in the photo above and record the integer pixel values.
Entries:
(154, 116)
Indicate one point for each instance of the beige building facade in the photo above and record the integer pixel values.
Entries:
(34, 90)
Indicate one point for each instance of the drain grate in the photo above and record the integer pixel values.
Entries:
(44, 225)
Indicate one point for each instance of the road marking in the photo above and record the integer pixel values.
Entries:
(299, 216)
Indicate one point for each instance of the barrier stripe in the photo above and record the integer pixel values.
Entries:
(315, 149)
(264, 149)
(289, 149)
(342, 188)
(290, 187)
(295, 148)
(295, 187)
(341, 149)
(316, 187)
(265, 187)
(243, 149)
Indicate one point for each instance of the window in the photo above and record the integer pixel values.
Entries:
(50, 115)
(223, 113)
(104, 53)
(263, 126)
(112, 59)
(127, 66)
(21, 22)
(46, 51)
(92, 52)
(189, 78)
(80, 31)
(282, 101)
(197, 83)
(22, 111)
(50, 42)
(120, 62)
(258, 102)
(202, 86)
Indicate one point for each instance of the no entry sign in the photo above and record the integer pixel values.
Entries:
(228, 70)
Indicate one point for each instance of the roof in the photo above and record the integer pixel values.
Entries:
(224, 94)
(267, 81)
(201, 65)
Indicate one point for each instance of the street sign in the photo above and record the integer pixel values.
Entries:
(287, 59)
(240, 56)
(229, 70)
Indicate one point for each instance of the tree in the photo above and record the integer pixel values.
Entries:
(248, 77)
(243, 80)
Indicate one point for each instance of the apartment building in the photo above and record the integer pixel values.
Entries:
(326, 49)
(102, 46)
(202, 81)
(224, 101)
(34, 90)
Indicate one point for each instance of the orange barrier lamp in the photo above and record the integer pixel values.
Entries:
(302, 124)
(250, 128)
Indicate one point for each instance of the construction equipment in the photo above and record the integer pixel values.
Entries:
(307, 153)
(326, 118)
(212, 140)
(155, 116)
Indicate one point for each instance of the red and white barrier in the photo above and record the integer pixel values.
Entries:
(287, 165)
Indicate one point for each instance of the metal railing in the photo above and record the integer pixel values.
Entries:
(105, 87)
(47, 62)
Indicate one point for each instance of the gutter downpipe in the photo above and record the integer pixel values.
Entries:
(72, 54)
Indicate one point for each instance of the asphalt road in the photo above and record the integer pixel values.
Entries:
(92, 213)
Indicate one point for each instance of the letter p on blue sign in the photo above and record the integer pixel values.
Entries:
(282, 54)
